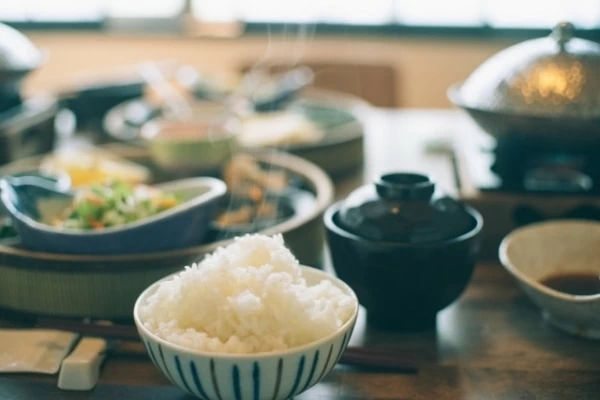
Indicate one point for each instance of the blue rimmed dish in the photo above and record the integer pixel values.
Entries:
(32, 203)
(272, 375)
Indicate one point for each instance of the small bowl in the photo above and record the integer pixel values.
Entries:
(541, 250)
(199, 144)
(31, 201)
(406, 248)
(272, 375)
(403, 286)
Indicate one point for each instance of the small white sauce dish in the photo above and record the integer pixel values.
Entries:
(538, 251)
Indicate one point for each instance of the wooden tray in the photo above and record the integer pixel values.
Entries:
(107, 286)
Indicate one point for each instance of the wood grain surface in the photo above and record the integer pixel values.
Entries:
(490, 344)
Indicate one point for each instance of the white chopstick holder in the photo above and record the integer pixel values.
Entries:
(80, 370)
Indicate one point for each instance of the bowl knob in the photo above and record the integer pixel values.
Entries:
(405, 186)
(403, 207)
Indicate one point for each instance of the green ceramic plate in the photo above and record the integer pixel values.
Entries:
(338, 115)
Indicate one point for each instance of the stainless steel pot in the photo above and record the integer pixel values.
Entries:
(18, 57)
(544, 90)
(26, 125)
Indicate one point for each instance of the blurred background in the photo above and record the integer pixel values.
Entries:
(417, 47)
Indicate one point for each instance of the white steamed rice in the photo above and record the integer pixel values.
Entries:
(247, 297)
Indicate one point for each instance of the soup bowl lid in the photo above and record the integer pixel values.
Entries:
(404, 208)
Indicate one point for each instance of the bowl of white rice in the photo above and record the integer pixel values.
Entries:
(248, 322)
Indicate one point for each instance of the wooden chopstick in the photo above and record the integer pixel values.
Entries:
(112, 331)
(364, 357)
(367, 357)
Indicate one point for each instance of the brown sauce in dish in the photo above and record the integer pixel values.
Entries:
(574, 283)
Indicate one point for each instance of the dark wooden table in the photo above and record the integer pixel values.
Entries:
(490, 344)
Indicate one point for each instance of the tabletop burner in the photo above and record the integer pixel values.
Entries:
(515, 184)
(518, 166)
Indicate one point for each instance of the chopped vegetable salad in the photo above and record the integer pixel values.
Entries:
(114, 204)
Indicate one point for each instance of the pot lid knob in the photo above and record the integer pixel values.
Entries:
(403, 207)
(404, 186)
(562, 33)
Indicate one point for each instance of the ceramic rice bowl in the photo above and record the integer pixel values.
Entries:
(272, 375)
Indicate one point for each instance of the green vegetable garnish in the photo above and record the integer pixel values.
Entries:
(114, 204)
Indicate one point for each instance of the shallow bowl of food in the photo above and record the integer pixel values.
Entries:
(105, 286)
(557, 265)
(271, 335)
(200, 143)
(56, 221)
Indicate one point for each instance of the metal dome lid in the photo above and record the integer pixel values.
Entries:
(555, 76)
(17, 53)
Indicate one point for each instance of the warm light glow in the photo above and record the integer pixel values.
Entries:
(551, 82)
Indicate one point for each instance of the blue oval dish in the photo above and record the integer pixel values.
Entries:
(30, 201)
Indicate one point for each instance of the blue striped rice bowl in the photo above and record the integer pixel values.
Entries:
(272, 375)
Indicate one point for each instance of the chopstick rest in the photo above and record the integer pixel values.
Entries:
(80, 370)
